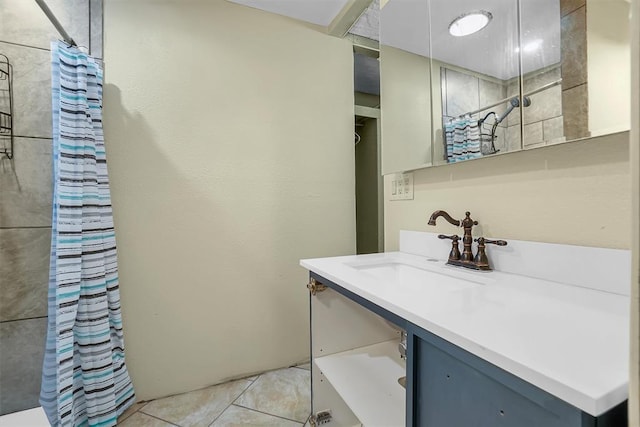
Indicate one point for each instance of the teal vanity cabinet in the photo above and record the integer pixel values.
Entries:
(446, 386)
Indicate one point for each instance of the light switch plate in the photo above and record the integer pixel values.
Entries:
(402, 186)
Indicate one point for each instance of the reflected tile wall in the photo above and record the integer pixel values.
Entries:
(501, 142)
(462, 94)
(21, 355)
(543, 118)
(532, 134)
(568, 6)
(575, 100)
(553, 130)
(490, 92)
(513, 138)
(544, 105)
(573, 41)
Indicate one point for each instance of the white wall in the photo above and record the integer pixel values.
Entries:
(219, 187)
(634, 382)
(576, 193)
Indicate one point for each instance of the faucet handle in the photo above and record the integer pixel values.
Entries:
(455, 249)
(481, 260)
(453, 237)
(494, 242)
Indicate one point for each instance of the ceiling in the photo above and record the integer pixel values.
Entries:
(319, 12)
(404, 24)
(492, 51)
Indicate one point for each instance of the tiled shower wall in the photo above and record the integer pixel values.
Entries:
(575, 95)
(556, 114)
(543, 119)
(26, 187)
(466, 92)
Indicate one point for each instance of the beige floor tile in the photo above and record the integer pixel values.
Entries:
(285, 393)
(236, 416)
(143, 420)
(197, 408)
(130, 411)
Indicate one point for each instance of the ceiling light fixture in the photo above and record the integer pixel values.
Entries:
(469, 23)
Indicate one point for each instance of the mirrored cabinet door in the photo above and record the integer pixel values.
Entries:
(475, 62)
(466, 79)
(405, 85)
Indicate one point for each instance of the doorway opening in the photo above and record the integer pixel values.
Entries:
(368, 188)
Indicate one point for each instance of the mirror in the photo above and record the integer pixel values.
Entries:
(540, 72)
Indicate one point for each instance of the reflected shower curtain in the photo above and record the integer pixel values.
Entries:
(85, 380)
(462, 138)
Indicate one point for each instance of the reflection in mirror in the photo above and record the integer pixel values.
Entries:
(596, 83)
(405, 92)
(575, 64)
(479, 81)
(541, 72)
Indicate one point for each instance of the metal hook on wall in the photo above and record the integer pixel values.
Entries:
(6, 116)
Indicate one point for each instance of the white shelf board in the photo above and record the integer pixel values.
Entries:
(367, 380)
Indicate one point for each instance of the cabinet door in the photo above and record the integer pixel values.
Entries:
(461, 390)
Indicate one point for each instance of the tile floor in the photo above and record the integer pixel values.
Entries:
(275, 398)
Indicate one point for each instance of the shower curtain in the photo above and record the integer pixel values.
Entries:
(84, 380)
(462, 137)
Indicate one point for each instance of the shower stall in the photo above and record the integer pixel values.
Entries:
(26, 189)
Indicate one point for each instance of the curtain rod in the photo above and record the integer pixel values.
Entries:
(502, 101)
(55, 22)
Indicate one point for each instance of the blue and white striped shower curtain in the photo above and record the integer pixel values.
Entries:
(84, 380)
(462, 136)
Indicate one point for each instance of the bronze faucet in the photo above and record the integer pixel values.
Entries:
(466, 259)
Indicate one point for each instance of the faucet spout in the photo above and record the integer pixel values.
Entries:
(445, 215)
(467, 223)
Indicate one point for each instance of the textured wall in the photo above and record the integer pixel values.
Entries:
(575, 193)
(26, 188)
(229, 141)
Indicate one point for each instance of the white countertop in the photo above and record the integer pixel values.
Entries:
(570, 341)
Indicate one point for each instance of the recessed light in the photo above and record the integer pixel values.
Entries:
(469, 23)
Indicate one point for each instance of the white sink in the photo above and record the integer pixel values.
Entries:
(407, 277)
